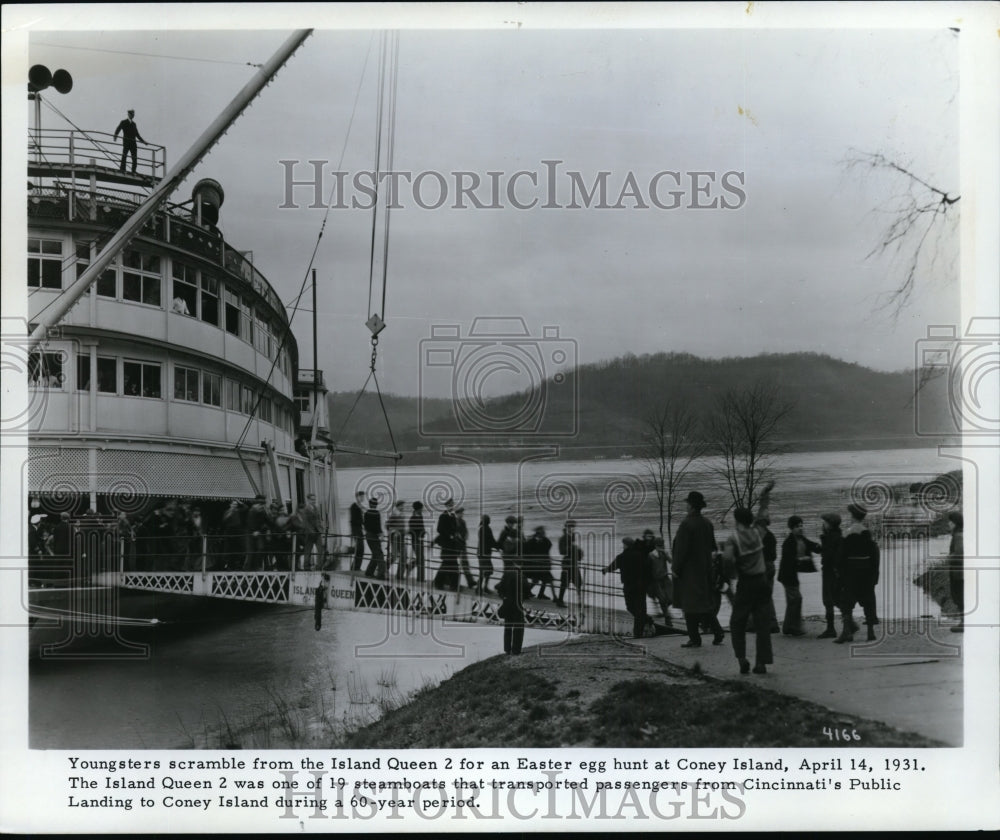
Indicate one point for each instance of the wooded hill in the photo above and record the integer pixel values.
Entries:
(601, 408)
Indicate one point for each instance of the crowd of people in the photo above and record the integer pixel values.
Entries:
(179, 536)
(693, 577)
(405, 535)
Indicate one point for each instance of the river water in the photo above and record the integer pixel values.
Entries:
(211, 686)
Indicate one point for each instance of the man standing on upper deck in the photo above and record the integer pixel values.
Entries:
(129, 131)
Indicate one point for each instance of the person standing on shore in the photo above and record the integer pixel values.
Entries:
(509, 542)
(956, 561)
(796, 547)
(744, 559)
(418, 534)
(357, 515)
(831, 541)
(694, 545)
(632, 570)
(859, 565)
(511, 610)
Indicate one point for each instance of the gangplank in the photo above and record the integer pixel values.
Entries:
(596, 612)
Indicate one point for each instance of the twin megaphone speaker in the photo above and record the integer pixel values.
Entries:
(40, 77)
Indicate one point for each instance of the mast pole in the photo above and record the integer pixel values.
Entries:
(315, 411)
(61, 305)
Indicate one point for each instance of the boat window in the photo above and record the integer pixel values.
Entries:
(211, 390)
(185, 300)
(232, 395)
(141, 379)
(141, 278)
(107, 283)
(246, 320)
(265, 409)
(107, 375)
(232, 313)
(209, 299)
(186, 384)
(83, 373)
(44, 263)
(45, 369)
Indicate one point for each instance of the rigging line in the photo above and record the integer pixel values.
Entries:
(385, 414)
(357, 399)
(149, 55)
(347, 137)
(84, 132)
(312, 258)
(390, 155)
(378, 158)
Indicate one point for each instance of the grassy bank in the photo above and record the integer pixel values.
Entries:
(597, 693)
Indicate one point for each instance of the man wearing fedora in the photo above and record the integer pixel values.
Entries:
(694, 584)
(859, 565)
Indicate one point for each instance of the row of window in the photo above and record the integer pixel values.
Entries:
(144, 379)
(137, 277)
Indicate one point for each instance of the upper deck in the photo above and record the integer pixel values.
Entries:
(74, 177)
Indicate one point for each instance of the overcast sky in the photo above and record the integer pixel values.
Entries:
(784, 271)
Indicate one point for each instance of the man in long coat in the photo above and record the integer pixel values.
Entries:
(694, 583)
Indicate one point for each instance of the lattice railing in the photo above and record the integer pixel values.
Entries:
(382, 596)
(159, 581)
(270, 587)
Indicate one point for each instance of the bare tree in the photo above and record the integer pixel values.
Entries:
(744, 429)
(919, 217)
(670, 446)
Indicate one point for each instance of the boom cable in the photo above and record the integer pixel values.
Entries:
(385, 123)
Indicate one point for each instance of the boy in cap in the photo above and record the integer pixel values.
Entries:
(744, 559)
(795, 549)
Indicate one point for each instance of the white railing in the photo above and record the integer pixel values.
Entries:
(62, 147)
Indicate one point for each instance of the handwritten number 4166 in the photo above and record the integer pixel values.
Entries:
(841, 734)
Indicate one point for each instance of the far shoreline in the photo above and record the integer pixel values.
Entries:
(501, 454)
